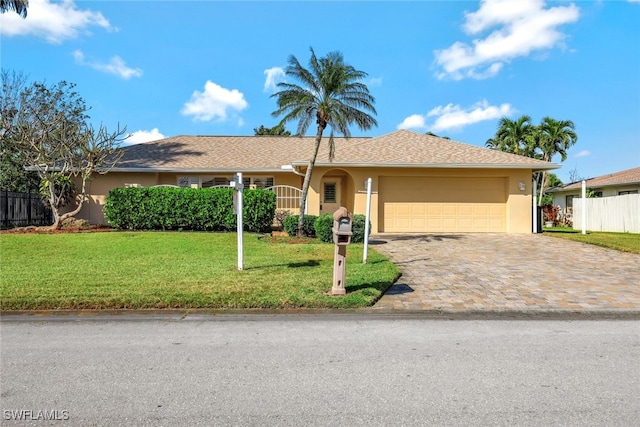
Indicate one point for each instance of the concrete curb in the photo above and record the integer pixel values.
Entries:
(368, 313)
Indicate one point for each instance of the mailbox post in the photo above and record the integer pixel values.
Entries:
(342, 223)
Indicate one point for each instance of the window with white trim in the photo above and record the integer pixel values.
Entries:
(622, 193)
(188, 181)
(249, 181)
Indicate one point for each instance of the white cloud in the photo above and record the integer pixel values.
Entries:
(116, 65)
(375, 81)
(143, 136)
(54, 22)
(523, 26)
(453, 117)
(414, 121)
(584, 153)
(274, 76)
(214, 102)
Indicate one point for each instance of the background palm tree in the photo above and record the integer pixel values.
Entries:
(330, 93)
(517, 137)
(541, 142)
(18, 6)
(556, 136)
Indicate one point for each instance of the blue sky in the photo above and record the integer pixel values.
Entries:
(166, 68)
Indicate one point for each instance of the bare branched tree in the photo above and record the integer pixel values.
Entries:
(49, 126)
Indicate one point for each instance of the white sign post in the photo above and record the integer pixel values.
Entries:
(238, 208)
(535, 207)
(365, 253)
(584, 207)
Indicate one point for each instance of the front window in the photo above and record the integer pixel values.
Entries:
(194, 181)
(569, 201)
(330, 192)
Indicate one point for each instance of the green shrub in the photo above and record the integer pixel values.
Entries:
(323, 227)
(291, 225)
(259, 209)
(203, 209)
(358, 225)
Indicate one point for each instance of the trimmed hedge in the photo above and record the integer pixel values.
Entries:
(324, 225)
(291, 225)
(202, 209)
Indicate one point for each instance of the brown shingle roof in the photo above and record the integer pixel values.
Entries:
(269, 153)
(629, 176)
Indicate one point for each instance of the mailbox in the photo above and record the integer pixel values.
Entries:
(342, 222)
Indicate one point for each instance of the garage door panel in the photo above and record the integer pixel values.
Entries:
(444, 190)
(443, 204)
(435, 209)
(465, 209)
(450, 210)
(418, 209)
(480, 210)
(496, 223)
(497, 210)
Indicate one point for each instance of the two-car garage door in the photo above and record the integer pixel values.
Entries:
(442, 204)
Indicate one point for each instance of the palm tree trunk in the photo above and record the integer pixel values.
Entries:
(307, 179)
(542, 185)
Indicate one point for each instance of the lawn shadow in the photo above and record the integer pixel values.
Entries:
(399, 289)
(307, 263)
(561, 231)
(380, 286)
(425, 237)
(411, 260)
(377, 242)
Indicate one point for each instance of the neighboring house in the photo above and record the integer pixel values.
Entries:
(614, 184)
(421, 183)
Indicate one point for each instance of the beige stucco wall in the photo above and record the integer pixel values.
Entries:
(353, 197)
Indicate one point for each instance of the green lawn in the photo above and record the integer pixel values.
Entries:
(626, 242)
(144, 270)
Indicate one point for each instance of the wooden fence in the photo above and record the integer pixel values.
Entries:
(615, 213)
(23, 209)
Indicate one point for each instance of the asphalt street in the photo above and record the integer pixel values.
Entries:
(298, 370)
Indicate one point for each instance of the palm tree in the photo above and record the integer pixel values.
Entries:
(517, 137)
(329, 92)
(556, 136)
(18, 6)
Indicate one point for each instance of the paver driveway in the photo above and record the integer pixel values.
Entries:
(506, 272)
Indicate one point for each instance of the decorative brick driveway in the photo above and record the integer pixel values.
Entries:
(505, 272)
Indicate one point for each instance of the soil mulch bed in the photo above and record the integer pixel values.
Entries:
(48, 230)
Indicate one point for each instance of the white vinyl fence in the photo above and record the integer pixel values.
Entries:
(615, 213)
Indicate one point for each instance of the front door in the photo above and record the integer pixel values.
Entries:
(330, 195)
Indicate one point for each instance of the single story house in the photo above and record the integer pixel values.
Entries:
(421, 183)
(613, 184)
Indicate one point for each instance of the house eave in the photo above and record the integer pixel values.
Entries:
(197, 170)
(579, 188)
(534, 168)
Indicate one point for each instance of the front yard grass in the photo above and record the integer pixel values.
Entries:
(626, 242)
(155, 270)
